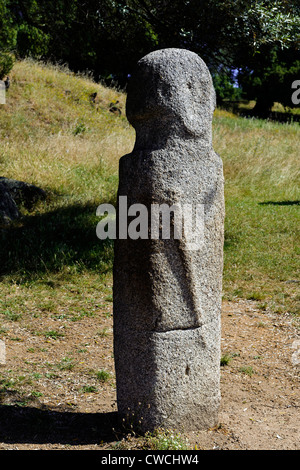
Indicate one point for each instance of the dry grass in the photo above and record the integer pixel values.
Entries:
(54, 136)
(259, 157)
(56, 276)
(262, 174)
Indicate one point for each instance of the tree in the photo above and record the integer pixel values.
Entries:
(270, 78)
(7, 39)
(259, 38)
(101, 36)
(269, 67)
(225, 86)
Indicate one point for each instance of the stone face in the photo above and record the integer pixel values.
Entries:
(167, 297)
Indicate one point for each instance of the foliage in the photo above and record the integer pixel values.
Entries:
(225, 359)
(225, 88)
(31, 41)
(272, 63)
(165, 439)
(108, 37)
(103, 375)
(269, 23)
(259, 38)
(79, 172)
(6, 63)
(8, 30)
(270, 78)
(7, 39)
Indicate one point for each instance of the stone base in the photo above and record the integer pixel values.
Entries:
(168, 379)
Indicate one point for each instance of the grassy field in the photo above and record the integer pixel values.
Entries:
(261, 167)
(55, 272)
(54, 136)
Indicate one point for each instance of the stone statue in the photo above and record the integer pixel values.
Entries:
(167, 291)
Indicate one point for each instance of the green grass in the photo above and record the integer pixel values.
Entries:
(89, 389)
(53, 334)
(166, 439)
(67, 363)
(103, 376)
(248, 370)
(262, 192)
(225, 359)
(160, 439)
(52, 135)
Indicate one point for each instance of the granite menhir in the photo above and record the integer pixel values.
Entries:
(167, 294)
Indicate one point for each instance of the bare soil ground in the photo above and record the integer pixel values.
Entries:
(60, 401)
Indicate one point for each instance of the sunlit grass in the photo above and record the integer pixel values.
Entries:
(54, 136)
(262, 174)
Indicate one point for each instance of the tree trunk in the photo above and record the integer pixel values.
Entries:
(263, 106)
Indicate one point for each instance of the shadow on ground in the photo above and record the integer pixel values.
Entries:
(31, 425)
(280, 203)
(237, 108)
(47, 242)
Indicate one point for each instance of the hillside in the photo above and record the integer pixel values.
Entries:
(56, 279)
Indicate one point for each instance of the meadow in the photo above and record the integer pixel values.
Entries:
(54, 135)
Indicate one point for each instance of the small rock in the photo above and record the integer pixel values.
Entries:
(2, 353)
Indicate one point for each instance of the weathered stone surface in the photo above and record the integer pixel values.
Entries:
(13, 192)
(23, 193)
(167, 298)
(8, 207)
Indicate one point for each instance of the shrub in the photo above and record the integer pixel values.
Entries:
(7, 61)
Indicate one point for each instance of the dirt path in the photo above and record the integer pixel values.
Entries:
(62, 402)
(260, 384)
